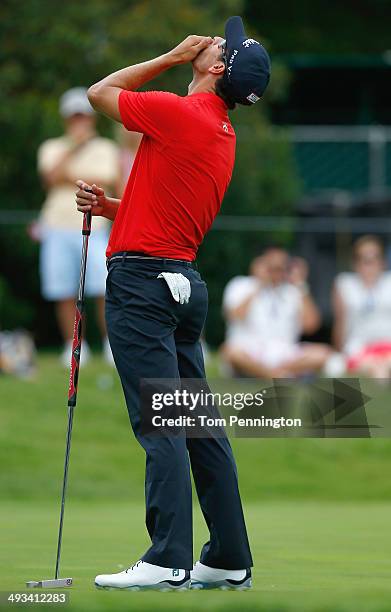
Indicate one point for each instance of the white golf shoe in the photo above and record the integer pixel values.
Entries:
(143, 576)
(204, 577)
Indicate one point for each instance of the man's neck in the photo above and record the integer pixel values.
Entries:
(201, 84)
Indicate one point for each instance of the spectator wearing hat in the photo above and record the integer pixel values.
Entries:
(79, 151)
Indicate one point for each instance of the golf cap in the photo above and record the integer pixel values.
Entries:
(75, 102)
(248, 64)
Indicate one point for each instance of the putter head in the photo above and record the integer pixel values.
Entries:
(60, 583)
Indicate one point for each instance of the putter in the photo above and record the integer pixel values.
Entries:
(72, 396)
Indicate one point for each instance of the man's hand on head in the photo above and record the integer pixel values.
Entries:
(189, 48)
(104, 95)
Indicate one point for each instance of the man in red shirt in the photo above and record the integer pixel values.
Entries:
(156, 301)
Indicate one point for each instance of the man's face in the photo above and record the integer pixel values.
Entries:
(369, 260)
(209, 56)
(80, 121)
(277, 265)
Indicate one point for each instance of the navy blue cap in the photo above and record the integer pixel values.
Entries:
(248, 64)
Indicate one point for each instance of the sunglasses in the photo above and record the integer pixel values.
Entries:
(223, 48)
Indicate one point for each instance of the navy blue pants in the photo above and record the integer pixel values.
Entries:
(152, 336)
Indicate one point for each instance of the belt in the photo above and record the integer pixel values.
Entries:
(136, 255)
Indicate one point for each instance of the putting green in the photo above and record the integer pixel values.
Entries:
(308, 556)
(108, 464)
(318, 511)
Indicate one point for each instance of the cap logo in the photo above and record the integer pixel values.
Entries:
(231, 60)
(234, 54)
(248, 42)
(252, 98)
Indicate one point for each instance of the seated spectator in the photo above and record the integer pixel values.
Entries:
(17, 353)
(266, 314)
(362, 311)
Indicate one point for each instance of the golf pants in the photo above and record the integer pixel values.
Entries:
(153, 336)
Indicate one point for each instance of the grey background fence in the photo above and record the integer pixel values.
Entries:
(351, 158)
(345, 174)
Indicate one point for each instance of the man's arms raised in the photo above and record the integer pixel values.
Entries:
(103, 96)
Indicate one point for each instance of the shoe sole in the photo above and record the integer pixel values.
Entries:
(222, 585)
(161, 586)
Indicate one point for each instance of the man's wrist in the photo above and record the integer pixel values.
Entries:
(171, 59)
(110, 208)
(108, 212)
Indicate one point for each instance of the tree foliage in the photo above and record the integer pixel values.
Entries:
(48, 46)
(323, 26)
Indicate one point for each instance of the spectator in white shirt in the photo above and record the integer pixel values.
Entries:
(362, 311)
(266, 314)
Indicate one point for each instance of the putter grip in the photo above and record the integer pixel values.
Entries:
(75, 359)
(86, 231)
(78, 324)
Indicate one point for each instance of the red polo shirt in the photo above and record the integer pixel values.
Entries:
(179, 177)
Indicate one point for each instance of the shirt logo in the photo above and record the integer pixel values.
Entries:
(225, 127)
(252, 98)
(250, 41)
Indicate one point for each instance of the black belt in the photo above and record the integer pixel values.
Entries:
(137, 255)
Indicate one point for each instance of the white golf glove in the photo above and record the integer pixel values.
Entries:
(179, 286)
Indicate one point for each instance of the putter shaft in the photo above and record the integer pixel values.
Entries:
(73, 378)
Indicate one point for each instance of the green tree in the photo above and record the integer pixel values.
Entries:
(48, 46)
(323, 26)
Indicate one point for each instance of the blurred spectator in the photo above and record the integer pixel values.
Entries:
(17, 353)
(362, 311)
(61, 161)
(266, 314)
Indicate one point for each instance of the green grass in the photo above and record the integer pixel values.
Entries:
(108, 463)
(308, 556)
(318, 510)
